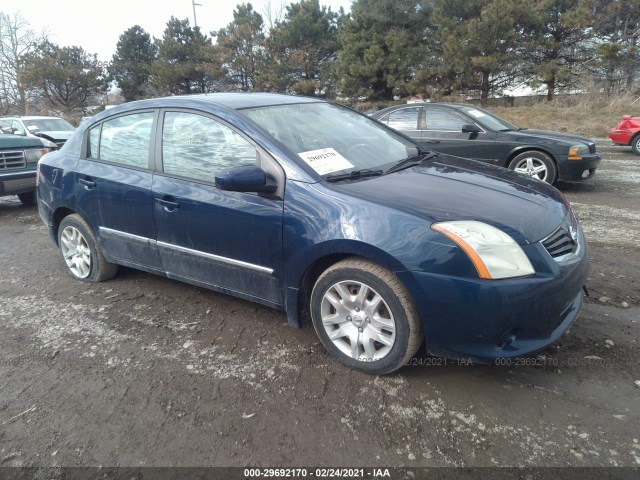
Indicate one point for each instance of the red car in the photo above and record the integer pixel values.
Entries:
(627, 133)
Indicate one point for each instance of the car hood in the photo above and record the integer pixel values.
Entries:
(54, 135)
(527, 134)
(451, 188)
(18, 141)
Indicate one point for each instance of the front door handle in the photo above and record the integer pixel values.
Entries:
(168, 205)
(431, 141)
(88, 184)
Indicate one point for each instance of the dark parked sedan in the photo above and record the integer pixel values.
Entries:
(311, 208)
(471, 132)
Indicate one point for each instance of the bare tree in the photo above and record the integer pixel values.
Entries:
(273, 14)
(17, 39)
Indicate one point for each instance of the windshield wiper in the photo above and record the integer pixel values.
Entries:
(410, 161)
(365, 172)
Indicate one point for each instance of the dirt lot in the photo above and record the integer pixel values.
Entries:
(142, 370)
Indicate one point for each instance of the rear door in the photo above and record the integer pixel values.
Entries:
(113, 187)
(408, 120)
(231, 240)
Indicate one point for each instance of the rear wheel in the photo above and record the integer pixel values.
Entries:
(365, 317)
(635, 144)
(28, 199)
(81, 253)
(535, 164)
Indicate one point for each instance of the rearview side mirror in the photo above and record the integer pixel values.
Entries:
(245, 178)
(470, 128)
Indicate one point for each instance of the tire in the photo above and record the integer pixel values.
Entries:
(635, 144)
(372, 338)
(535, 164)
(81, 253)
(28, 199)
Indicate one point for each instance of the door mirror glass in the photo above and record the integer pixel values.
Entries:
(245, 178)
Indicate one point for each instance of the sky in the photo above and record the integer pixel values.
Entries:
(96, 25)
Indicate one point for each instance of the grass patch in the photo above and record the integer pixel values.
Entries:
(591, 116)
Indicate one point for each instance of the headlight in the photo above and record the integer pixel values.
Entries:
(34, 154)
(577, 151)
(494, 253)
(48, 143)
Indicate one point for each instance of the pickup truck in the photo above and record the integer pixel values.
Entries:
(19, 156)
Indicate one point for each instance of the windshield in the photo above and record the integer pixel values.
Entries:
(330, 138)
(48, 125)
(489, 120)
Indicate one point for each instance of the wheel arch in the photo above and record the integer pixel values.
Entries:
(58, 215)
(302, 280)
(529, 148)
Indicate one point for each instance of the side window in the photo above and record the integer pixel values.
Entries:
(441, 120)
(198, 147)
(124, 140)
(403, 118)
(17, 128)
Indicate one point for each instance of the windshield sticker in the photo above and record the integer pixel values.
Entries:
(477, 113)
(325, 160)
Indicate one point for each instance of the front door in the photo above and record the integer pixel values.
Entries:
(230, 240)
(443, 133)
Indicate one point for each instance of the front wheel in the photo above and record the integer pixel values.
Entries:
(81, 253)
(365, 317)
(635, 144)
(535, 164)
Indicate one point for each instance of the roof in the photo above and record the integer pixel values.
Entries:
(454, 106)
(228, 101)
(29, 117)
(239, 101)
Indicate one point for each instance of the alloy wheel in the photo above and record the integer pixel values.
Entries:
(76, 252)
(533, 167)
(358, 321)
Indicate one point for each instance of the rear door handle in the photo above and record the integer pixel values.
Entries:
(431, 141)
(168, 205)
(88, 184)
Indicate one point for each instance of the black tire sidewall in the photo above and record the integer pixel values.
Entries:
(635, 144)
(395, 356)
(552, 170)
(89, 238)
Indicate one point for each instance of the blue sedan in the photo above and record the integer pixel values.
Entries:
(314, 209)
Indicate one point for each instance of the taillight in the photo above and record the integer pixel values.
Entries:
(38, 172)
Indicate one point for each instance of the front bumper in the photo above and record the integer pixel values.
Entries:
(573, 170)
(488, 319)
(17, 182)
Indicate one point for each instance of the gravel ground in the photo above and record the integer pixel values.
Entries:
(145, 371)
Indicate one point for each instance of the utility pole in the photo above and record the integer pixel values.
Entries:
(194, 5)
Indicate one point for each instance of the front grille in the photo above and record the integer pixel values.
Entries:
(12, 159)
(563, 241)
